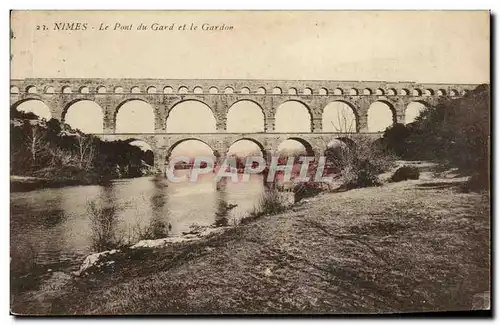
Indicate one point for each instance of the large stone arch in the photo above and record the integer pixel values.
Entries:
(186, 99)
(15, 105)
(377, 124)
(413, 109)
(87, 122)
(69, 104)
(352, 108)
(306, 106)
(242, 100)
(129, 100)
(183, 101)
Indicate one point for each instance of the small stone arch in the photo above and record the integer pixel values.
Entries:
(31, 89)
(353, 92)
(379, 92)
(67, 90)
(323, 91)
(84, 90)
(148, 142)
(404, 92)
(348, 141)
(182, 90)
(213, 90)
(307, 145)
(49, 90)
(118, 90)
(229, 90)
(338, 92)
(14, 90)
(168, 90)
(277, 91)
(367, 91)
(168, 151)
(307, 91)
(391, 92)
(292, 91)
(101, 90)
(135, 90)
(261, 147)
(198, 90)
(261, 91)
(245, 90)
(441, 92)
(416, 92)
(429, 92)
(151, 90)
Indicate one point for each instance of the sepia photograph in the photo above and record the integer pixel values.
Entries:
(249, 162)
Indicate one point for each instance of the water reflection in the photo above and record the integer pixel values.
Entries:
(222, 208)
(56, 223)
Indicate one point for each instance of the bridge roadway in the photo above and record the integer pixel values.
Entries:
(163, 95)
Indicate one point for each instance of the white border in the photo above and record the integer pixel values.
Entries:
(185, 5)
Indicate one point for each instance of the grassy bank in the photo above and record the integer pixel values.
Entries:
(410, 246)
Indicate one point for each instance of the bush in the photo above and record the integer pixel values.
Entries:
(271, 202)
(103, 227)
(155, 229)
(362, 162)
(404, 173)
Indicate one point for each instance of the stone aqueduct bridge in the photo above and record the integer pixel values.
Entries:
(164, 94)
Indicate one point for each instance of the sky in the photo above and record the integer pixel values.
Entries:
(420, 46)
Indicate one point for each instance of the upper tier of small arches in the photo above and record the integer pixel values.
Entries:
(292, 91)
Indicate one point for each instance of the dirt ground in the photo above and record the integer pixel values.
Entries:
(403, 247)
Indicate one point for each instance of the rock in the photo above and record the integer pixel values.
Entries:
(94, 261)
(178, 239)
(267, 272)
(404, 173)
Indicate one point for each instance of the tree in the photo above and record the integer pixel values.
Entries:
(34, 141)
(85, 151)
(396, 139)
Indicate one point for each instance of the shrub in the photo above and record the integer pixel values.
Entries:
(404, 173)
(362, 162)
(271, 202)
(155, 229)
(104, 224)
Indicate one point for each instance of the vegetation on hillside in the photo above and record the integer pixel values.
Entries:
(455, 132)
(50, 149)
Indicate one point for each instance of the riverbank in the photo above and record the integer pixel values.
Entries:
(29, 183)
(411, 246)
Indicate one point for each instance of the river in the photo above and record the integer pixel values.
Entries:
(53, 227)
